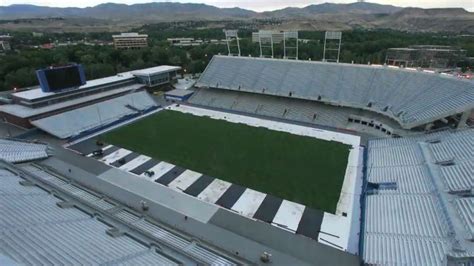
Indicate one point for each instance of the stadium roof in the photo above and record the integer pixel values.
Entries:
(412, 98)
(155, 70)
(25, 112)
(129, 34)
(38, 93)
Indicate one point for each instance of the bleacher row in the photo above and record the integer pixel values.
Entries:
(282, 108)
(410, 97)
(413, 213)
(19, 151)
(465, 207)
(460, 176)
(429, 137)
(414, 179)
(460, 148)
(72, 122)
(34, 230)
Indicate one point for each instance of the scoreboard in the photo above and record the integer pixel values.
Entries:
(59, 78)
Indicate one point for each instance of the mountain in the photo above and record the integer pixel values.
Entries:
(327, 16)
(32, 11)
(436, 19)
(437, 12)
(160, 11)
(330, 8)
(372, 16)
(178, 11)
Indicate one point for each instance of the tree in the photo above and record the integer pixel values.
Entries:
(138, 64)
(159, 55)
(196, 66)
(20, 78)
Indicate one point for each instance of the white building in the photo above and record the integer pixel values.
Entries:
(131, 40)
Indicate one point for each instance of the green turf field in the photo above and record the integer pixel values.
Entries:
(301, 169)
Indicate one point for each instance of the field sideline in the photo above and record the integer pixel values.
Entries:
(297, 168)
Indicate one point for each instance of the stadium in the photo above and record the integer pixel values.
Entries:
(260, 161)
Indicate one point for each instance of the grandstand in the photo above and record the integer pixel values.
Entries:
(299, 110)
(87, 108)
(420, 206)
(68, 234)
(96, 116)
(16, 151)
(33, 103)
(412, 99)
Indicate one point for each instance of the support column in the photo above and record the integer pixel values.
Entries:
(429, 126)
(464, 117)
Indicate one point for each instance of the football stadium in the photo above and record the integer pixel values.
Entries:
(260, 161)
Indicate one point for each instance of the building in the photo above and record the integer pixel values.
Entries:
(157, 76)
(31, 108)
(277, 36)
(5, 43)
(131, 40)
(37, 34)
(425, 56)
(215, 41)
(185, 42)
(188, 42)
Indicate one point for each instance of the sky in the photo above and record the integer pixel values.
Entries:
(256, 5)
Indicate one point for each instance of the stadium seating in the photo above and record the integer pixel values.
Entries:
(459, 177)
(395, 156)
(413, 179)
(274, 106)
(410, 97)
(19, 151)
(430, 209)
(460, 147)
(73, 122)
(69, 236)
(465, 207)
(417, 215)
(390, 250)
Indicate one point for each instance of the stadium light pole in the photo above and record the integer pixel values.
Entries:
(332, 35)
(231, 35)
(287, 35)
(263, 38)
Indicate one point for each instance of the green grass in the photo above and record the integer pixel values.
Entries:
(297, 168)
